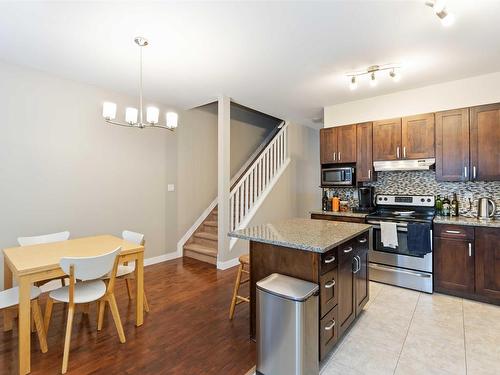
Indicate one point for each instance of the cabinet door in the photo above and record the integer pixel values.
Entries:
(387, 139)
(328, 334)
(328, 145)
(346, 285)
(364, 152)
(346, 144)
(484, 142)
(328, 293)
(362, 278)
(417, 136)
(453, 265)
(452, 145)
(488, 262)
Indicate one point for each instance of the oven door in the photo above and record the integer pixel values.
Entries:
(401, 256)
(337, 176)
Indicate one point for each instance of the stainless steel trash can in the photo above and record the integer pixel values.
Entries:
(287, 326)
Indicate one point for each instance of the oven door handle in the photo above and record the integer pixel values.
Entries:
(378, 223)
(400, 229)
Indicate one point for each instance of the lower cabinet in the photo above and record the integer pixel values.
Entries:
(467, 262)
(328, 332)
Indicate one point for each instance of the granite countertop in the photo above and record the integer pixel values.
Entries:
(345, 213)
(303, 234)
(469, 221)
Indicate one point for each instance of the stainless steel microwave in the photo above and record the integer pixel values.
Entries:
(338, 176)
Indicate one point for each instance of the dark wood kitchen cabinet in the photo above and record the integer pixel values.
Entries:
(347, 302)
(484, 142)
(328, 145)
(488, 262)
(362, 281)
(364, 152)
(417, 136)
(387, 139)
(452, 145)
(338, 144)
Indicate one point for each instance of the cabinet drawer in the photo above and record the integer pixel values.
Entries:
(328, 334)
(346, 251)
(363, 241)
(328, 261)
(454, 231)
(328, 291)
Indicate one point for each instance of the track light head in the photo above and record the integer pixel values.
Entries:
(353, 85)
(395, 75)
(373, 80)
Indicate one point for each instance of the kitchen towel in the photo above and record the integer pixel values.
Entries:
(389, 234)
(419, 238)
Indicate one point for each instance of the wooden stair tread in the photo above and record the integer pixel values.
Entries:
(210, 223)
(201, 249)
(206, 235)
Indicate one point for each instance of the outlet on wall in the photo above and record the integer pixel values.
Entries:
(170, 187)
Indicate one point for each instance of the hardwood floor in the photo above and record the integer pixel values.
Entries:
(186, 332)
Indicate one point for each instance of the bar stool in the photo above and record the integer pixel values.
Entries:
(237, 299)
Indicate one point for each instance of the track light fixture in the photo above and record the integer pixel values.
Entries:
(372, 72)
(439, 7)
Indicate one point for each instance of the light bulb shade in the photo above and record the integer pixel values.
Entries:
(395, 75)
(131, 115)
(172, 119)
(373, 80)
(353, 85)
(109, 110)
(152, 114)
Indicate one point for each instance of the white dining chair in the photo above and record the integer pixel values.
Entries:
(9, 299)
(126, 271)
(45, 238)
(89, 288)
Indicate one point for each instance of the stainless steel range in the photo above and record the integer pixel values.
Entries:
(402, 264)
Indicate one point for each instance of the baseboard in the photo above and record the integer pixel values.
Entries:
(228, 264)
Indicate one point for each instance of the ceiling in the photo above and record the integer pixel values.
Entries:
(287, 59)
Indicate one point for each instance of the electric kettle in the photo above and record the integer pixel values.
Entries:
(486, 208)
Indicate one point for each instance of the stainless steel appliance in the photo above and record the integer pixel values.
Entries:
(486, 208)
(404, 165)
(337, 176)
(400, 266)
(365, 199)
(287, 326)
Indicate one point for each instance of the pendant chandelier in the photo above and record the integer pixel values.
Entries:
(131, 114)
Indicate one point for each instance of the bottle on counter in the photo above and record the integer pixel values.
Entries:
(324, 201)
(336, 204)
(446, 206)
(439, 205)
(454, 206)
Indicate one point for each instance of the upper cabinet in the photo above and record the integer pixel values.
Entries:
(364, 152)
(417, 136)
(338, 144)
(485, 142)
(452, 145)
(387, 139)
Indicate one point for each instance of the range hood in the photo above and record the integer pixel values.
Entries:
(404, 165)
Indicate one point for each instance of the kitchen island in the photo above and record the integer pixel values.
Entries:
(333, 255)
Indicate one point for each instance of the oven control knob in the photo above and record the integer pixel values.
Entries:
(385, 198)
(422, 200)
(379, 198)
(428, 199)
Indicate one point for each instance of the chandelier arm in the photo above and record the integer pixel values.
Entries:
(121, 124)
(161, 127)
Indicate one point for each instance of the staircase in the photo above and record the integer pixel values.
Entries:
(248, 191)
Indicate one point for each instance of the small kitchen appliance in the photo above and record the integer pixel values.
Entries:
(365, 200)
(332, 176)
(486, 208)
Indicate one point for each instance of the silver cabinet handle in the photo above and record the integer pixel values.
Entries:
(470, 249)
(339, 156)
(357, 266)
(330, 326)
(453, 231)
(404, 152)
(330, 259)
(334, 156)
(397, 152)
(362, 240)
(465, 171)
(348, 250)
(369, 174)
(474, 172)
(330, 284)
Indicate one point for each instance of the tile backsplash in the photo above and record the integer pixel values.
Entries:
(424, 183)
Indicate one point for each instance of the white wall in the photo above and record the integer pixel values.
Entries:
(467, 92)
(62, 167)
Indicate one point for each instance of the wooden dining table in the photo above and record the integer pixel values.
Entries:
(29, 264)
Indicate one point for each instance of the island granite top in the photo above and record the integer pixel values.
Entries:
(303, 234)
(469, 221)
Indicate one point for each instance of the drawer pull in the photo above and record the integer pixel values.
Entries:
(330, 259)
(348, 250)
(453, 231)
(330, 326)
(362, 240)
(330, 284)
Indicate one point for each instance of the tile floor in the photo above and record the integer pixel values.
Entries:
(404, 332)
